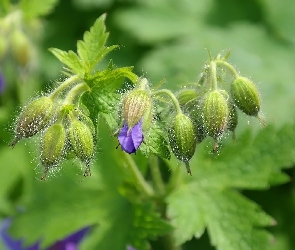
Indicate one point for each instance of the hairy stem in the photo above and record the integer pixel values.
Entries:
(156, 175)
(172, 97)
(228, 66)
(76, 92)
(63, 86)
(146, 188)
(213, 75)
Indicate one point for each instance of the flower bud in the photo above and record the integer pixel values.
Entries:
(21, 48)
(34, 117)
(186, 96)
(136, 103)
(245, 95)
(86, 120)
(81, 139)
(215, 113)
(182, 137)
(195, 112)
(52, 145)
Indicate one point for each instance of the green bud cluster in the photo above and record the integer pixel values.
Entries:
(64, 125)
(212, 105)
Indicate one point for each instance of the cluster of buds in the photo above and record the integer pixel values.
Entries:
(64, 126)
(208, 109)
(212, 108)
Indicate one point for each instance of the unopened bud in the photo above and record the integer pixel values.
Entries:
(81, 116)
(186, 96)
(21, 48)
(245, 96)
(136, 103)
(195, 113)
(182, 137)
(215, 113)
(81, 139)
(52, 145)
(34, 117)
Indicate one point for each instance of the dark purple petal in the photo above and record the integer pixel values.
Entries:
(137, 136)
(70, 242)
(130, 140)
(125, 140)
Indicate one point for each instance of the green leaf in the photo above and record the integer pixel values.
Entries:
(281, 18)
(155, 142)
(70, 59)
(147, 224)
(36, 8)
(47, 214)
(162, 20)
(110, 78)
(233, 221)
(135, 226)
(92, 49)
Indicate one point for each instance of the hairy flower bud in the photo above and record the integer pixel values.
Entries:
(34, 117)
(136, 103)
(52, 145)
(245, 95)
(86, 120)
(215, 113)
(186, 96)
(82, 141)
(21, 48)
(195, 113)
(182, 137)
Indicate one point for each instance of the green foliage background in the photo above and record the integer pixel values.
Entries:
(165, 39)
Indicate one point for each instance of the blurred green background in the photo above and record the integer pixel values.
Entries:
(162, 39)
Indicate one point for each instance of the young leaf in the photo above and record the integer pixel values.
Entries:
(111, 78)
(155, 143)
(70, 59)
(36, 8)
(147, 224)
(92, 49)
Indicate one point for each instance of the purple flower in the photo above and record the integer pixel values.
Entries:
(69, 243)
(130, 139)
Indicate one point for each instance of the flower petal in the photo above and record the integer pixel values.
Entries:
(125, 140)
(136, 134)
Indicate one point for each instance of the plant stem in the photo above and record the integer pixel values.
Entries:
(75, 92)
(228, 66)
(63, 86)
(138, 176)
(172, 97)
(213, 75)
(156, 175)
